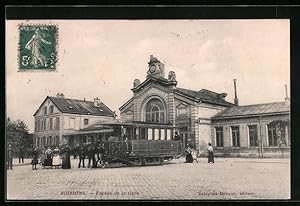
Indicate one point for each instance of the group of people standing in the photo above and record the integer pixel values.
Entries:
(48, 157)
(61, 157)
(191, 154)
(93, 153)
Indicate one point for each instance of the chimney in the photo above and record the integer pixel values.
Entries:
(61, 95)
(286, 99)
(236, 100)
(97, 102)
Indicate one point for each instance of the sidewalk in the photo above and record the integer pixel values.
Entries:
(16, 162)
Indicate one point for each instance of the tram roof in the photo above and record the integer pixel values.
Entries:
(128, 124)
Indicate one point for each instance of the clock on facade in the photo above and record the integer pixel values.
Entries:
(152, 68)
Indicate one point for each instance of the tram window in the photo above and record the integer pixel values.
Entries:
(149, 134)
(83, 139)
(168, 134)
(142, 133)
(162, 134)
(156, 134)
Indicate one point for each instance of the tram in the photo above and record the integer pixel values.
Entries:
(138, 143)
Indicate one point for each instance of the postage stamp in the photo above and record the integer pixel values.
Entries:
(38, 47)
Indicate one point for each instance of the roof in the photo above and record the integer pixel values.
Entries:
(253, 110)
(75, 106)
(205, 96)
(108, 124)
(126, 103)
(159, 80)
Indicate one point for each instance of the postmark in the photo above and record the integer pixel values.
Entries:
(38, 47)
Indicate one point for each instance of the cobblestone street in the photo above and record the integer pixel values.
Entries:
(230, 178)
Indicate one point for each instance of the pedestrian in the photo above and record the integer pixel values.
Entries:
(9, 157)
(49, 156)
(21, 155)
(91, 156)
(94, 158)
(177, 137)
(210, 154)
(81, 153)
(66, 163)
(34, 161)
(188, 157)
(56, 159)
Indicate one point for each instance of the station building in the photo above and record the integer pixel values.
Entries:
(203, 116)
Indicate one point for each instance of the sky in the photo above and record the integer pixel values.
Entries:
(101, 58)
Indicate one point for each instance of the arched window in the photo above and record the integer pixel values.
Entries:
(155, 111)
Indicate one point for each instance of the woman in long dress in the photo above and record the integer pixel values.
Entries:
(66, 164)
(56, 159)
(34, 161)
(210, 154)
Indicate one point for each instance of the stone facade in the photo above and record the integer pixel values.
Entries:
(182, 110)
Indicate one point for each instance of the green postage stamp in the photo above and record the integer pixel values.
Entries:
(38, 47)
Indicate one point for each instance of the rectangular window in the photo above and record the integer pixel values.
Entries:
(56, 140)
(51, 109)
(219, 137)
(86, 121)
(72, 123)
(235, 136)
(253, 135)
(156, 134)
(150, 134)
(181, 111)
(44, 142)
(168, 134)
(51, 123)
(45, 110)
(57, 123)
(162, 134)
(49, 140)
(44, 125)
(84, 139)
(272, 135)
(143, 133)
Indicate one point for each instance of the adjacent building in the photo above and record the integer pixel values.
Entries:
(60, 120)
(252, 129)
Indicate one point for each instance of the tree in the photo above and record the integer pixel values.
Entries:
(17, 134)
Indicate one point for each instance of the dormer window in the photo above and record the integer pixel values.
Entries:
(97, 102)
